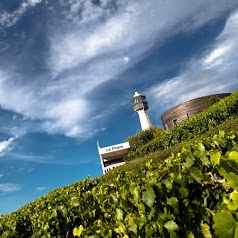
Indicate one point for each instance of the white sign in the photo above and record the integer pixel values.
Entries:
(113, 148)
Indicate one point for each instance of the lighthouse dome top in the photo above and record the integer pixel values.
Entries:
(136, 93)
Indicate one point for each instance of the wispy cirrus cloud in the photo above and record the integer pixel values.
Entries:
(129, 27)
(7, 19)
(41, 188)
(83, 12)
(9, 187)
(3, 46)
(93, 48)
(6, 146)
(43, 159)
(215, 72)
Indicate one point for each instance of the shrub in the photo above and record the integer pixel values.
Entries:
(143, 137)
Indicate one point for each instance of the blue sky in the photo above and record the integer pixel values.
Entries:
(68, 69)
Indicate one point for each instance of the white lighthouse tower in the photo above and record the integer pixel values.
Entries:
(140, 105)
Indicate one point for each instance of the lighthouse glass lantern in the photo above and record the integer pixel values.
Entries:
(140, 105)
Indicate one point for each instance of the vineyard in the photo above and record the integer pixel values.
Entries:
(215, 115)
(187, 189)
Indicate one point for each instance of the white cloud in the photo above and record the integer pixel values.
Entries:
(126, 59)
(84, 12)
(34, 2)
(41, 188)
(43, 159)
(211, 59)
(67, 114)
(94, 47)
(6, 145)
(79, 47)
(127, 30)
(9, 187)
(215, 72)
(7, 19)
(1, 175)
(4, 46)
(31, 158)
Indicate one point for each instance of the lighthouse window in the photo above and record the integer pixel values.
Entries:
(175, 122)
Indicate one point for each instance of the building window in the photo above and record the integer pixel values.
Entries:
(188, 115)
(175, 122)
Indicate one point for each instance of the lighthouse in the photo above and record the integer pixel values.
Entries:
(140, 105)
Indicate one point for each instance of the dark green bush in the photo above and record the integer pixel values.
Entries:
(143, 137)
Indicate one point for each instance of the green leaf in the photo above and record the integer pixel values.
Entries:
(173, 202)
(131, 221)
(202, 155)
(236, 230)
(189, 160)
(215, 157)
(229, 175)
(172, 234)
(114, 198)
(74, 201)
(201, 147)
(120, 227)
(235, 145)
(119, 214)
(107, 233)
(232, 203)
(221, 133)
(206, 231)
(178, 179)
(141, 207)
(134, 190)
(196, 174)
(167, 183)
(171, 226)
(233, 155)
(224, 224)
(77, 231)
(191, 235)
(148, 163)
(142, 220)
(148, 196)
(148, 230)
(183, 192)
(234, 196)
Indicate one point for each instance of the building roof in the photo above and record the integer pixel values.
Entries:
(136, 93)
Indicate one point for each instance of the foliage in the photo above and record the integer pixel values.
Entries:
(197, 125)
(192, 193)
(210, 100)
(143, 137)
(137, 165)
(188, 189)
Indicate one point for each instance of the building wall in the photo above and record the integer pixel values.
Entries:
(187, 109)
(113, 156)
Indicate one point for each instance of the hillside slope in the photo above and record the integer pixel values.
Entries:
(188, 189)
